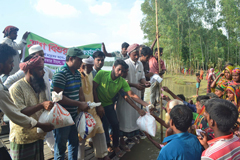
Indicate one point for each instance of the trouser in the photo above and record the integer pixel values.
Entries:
(154, 92)
(4, 154)
(110, 117)
(99, 146)
(62, 136)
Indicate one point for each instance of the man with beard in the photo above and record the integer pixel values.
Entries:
(10, 34)
(29, 96)
(128, 116)
(97, 135)
(6, 104)
(68, 80)
(106, 84)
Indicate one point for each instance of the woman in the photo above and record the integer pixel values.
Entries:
(220, 92)
(211, 78)
(235, 77)
(233, 93)
(201, 74)
(225, 80)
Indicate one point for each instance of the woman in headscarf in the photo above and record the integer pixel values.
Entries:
(235, 77)
(220, 91)
(225, 79)
(211, 78)
(233, 93)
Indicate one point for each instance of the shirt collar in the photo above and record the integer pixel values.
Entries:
(221, 138)
(65, 65)
(134, 63)
(169, 138)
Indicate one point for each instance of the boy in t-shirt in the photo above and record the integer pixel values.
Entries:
(221, 116)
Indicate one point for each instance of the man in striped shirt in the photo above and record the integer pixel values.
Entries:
(68, 79)
(221, 116)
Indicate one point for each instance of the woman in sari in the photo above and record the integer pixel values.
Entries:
(226, 78)
(233, 93)
(201, 74)
(235, 77)
(211, 78)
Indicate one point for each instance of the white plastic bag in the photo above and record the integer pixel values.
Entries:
(85, 123)
(58, 116)
(147, 123)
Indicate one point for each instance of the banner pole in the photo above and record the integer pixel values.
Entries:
(160, 68)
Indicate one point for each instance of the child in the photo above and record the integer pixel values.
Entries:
(221, 116)
(198, 82)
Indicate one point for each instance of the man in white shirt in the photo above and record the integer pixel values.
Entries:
(10, 34)
(6, 104)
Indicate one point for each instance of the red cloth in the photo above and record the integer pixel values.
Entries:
(225, 147)
(34, 62)
(8, 29)
(132, 47)
(153, 65)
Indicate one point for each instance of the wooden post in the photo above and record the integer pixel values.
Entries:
(160, 68)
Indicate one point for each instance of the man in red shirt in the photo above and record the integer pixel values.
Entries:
(153, 63)
(221, 116)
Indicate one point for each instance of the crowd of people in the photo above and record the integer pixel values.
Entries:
(207, 130)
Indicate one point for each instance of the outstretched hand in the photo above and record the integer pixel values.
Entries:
(166, 89)
(203, 140)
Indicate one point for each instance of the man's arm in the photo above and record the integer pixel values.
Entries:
(81, 95)
(127, 99)
(153, 142)
(100, 109)
(105, 51)
(13, 113)
(14, 78)
(154, 42)
(136, 98)
(67, 101)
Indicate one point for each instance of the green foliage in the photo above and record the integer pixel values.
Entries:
(192, 32)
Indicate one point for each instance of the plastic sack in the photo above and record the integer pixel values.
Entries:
(147, 123)
(155, 78)
(85, 123)
(57, 116)
(93, 104)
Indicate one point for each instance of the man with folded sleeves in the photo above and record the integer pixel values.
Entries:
(68, 79)
(97, 134)
(6, 104)
(28, 94)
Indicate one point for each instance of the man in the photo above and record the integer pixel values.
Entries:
(123, 55)
(181, 145)
(98, 57)
(106, 85)
(97, 135)
(127, 115)
(68, 79)
(10, 34)
(6, 104)
(221, 116)
(153, 62)
(193, 107)
(28, 94)
(33, 50)
(145, 54)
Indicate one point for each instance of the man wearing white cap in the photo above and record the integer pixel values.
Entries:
(35, 50)
(97, 135)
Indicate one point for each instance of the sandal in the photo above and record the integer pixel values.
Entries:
(119, 153)
(125, 148)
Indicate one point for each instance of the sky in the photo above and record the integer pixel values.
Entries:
(76, 22)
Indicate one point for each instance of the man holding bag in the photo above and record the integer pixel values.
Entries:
(28, 94)
(68, 79)
(97, 134)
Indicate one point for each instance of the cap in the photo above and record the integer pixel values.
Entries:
(76, 52)
(34, 49)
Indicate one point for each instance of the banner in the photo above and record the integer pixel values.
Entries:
(55, 55)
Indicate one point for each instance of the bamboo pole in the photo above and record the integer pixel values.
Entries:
(160, 68)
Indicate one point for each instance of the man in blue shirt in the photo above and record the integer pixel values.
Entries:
(181, 145)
